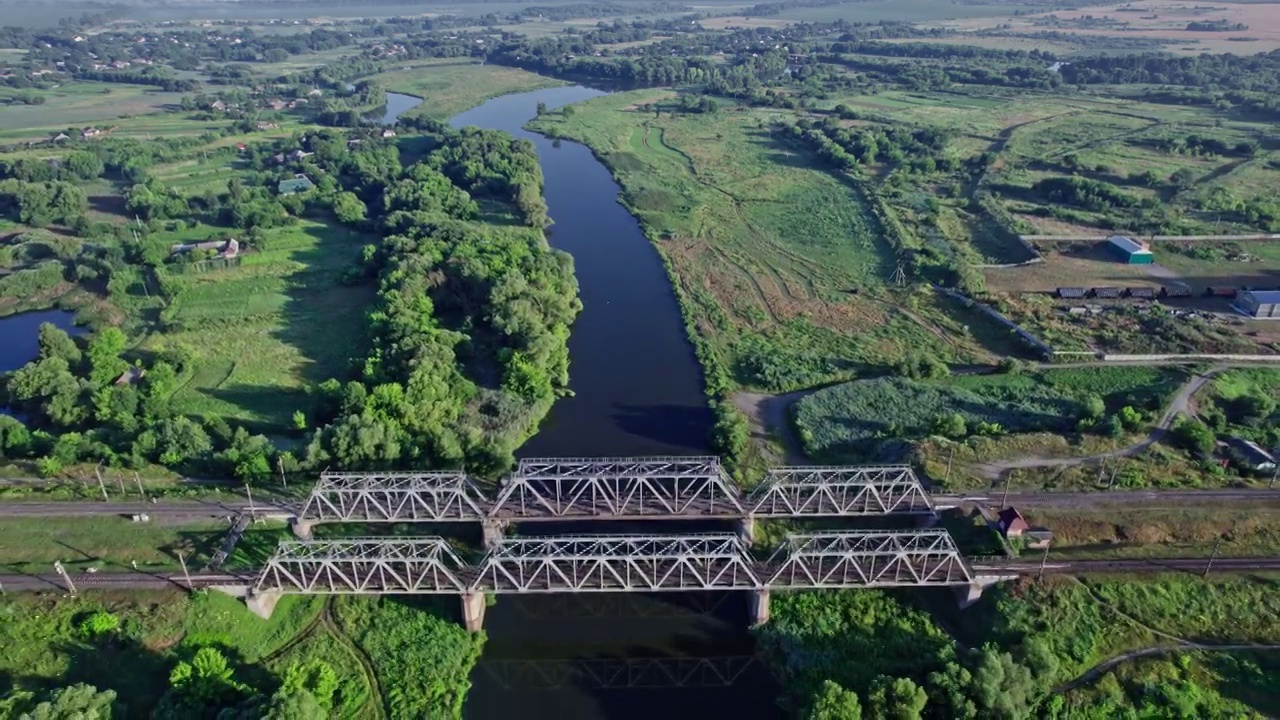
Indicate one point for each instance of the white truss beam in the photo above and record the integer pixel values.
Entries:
(612, 563)
(839, 492)
(364, 566)
(868, 559)
(571, 488)
(393, 497)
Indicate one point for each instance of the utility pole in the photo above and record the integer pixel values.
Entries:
(1114, 470)
(949, 459)
(249, 492)
(138, 480)
(120, 482)
(280, 464)
(1044, 558)
(57, 565)
(1212, 556)
(182, 558)
(1271, 485)
(1004, 501)
(102, 486)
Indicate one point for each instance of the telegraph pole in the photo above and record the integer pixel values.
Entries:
(120, 482)
(949, 459)
(249, 492)
(1004, 501)
(280, 464)
(101, 485)
(57, 565)
(1212, 556)
(138, 480)
(183, 559)
(1044, 559)
(1114, 470)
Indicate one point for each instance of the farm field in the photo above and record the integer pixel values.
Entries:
(451, 86)
(262, 331)
(78, 103)
(860, 420)
(781, 264)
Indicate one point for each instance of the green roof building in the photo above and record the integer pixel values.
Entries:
(298, 184)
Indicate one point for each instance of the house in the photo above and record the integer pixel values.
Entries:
(315, 92)
(90, 132)
(131, 376)
(277, 104)
(299, 183)
(218, 105)
(1071, 292)
(1129, 250)
(1260, 303)
(1011, 523)
(388, 133)
(225, 248)
(60, 137)
(1253, 454)
(298, 155)
(263, 125)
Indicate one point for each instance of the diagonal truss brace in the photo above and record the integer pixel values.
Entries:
(364, 565)
(839, 492)
(868, 559)
(610, 563)
(393, 497)
(618, 487)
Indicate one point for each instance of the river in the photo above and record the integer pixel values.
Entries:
(637, 391)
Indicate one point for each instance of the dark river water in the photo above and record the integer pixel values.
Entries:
(637, 391)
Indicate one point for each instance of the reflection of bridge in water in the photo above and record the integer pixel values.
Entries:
(623, 489)
(619, 673)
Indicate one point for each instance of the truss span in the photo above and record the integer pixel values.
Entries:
(868, 559)
(612, 563)
(364, 566)
(840, 492)
(597, 488)
(620, 673)
(394, 497)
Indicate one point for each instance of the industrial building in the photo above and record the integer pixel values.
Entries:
(1260, 303)
(1129, 250)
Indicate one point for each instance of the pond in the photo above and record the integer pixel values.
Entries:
(19, 335)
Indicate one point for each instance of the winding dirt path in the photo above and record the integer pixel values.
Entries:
(1103, 667)
(1180, 404)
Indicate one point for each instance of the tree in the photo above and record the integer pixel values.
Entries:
(98, 624)
(835, 703)
(105, 364)
(206, 680)
(55, 342)
(349, 209)
(567, 111)
(1193, 435)
(952, 426)
(77, 702)
(1093, 407)
(542, 108)
(896, 699)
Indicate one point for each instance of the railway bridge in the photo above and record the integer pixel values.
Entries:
(615, 563)
(650, 488)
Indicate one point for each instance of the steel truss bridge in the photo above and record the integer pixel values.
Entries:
(549, 489)
(619, 673)
(615, 563)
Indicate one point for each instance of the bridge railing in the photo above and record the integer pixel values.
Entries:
(394, 497)
(365, 566)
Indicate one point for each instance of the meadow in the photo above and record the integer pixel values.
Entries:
(107, 544)
(781, 264)
(77, 103)
(263, 331)
(851, 421)
(1135, 532)
(450, 86)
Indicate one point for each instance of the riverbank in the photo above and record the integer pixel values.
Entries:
(450, 87)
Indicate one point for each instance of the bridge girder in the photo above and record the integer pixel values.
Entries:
(573, 488)
(869, 559)
(364, 566)
(393, 497)
(613, 563)
(839, 492)
(618, 673)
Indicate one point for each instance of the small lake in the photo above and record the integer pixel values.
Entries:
(397, 105)
(19, 335)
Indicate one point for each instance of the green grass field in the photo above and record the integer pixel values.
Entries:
(780, 262)
(850, 421)
(107, 544)
(451, 86)
(1135, 532)
(78, 103)
(263, 331)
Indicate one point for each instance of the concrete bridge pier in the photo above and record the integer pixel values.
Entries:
(473, 604)
(746, 529)
(263, 604)
(301, 528)
(492, 532)
(969, 594)
(759, 607)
